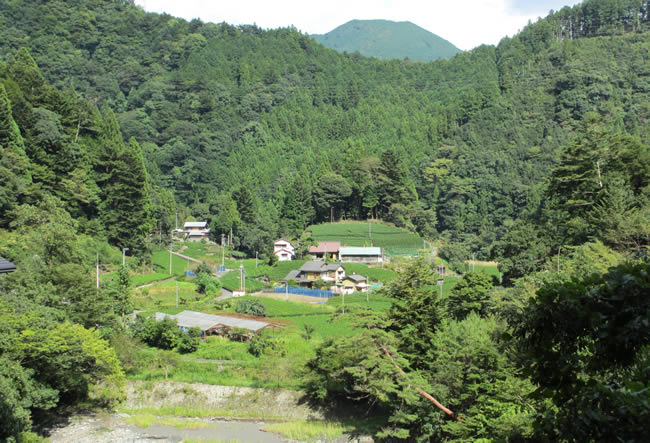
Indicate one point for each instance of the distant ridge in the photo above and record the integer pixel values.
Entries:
(387, 39)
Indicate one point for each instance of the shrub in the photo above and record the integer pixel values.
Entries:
(308, 331)
(206, 284)
(251, 307)
(222, 305)
(162, 334)
(189, 341)
(203, 268)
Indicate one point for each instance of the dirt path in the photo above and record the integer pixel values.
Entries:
(156, 282)
(186, 257)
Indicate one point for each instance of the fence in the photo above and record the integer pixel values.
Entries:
(304, 291)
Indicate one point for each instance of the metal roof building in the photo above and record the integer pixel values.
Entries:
(206, 322)
(199, 224)
(360, 255)
(6, 266)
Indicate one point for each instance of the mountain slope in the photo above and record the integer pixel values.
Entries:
(388, 39)
(458, 147)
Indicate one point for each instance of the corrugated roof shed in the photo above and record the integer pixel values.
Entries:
(356, 251)
(191, 319)
(200, 224)
(6, 266)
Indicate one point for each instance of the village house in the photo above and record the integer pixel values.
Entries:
(354, 283)
(360, 255)
(330, 273)
(325, 250)
(196, 231)
(283, 250)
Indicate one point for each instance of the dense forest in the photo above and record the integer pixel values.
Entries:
(534, 153)
(264, 132)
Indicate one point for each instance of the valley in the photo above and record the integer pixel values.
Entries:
(217, 232)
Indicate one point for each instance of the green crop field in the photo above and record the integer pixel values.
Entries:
(179, 265)
(395, 241)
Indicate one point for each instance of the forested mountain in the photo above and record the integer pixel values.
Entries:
(263, 132)
(387, 39)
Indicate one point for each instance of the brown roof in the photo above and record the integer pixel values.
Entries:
(326, 246)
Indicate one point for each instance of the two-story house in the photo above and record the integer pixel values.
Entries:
(283, 250)
(330, 273)
(196, 231)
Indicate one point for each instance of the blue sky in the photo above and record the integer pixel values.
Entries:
(466, 23)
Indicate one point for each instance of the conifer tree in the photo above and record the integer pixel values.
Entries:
(24, 71)
(14, 164)
(126, 208)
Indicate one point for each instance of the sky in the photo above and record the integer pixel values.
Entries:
(466, 23)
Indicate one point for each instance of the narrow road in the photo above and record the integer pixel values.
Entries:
(172, 278)
(186, 257)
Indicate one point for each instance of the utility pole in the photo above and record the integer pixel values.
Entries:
(223, 251)
(124, 256)
(242, 283)
(97, 268)
(368, 289)
(177, 220)
(255, 259)
(473, 260)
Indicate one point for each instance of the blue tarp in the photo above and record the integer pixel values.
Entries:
(190, 274)
(305, 291)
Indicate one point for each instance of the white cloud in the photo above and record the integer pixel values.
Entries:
(466, 24)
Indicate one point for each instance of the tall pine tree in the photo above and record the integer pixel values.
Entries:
(126, 209)
(14, 164)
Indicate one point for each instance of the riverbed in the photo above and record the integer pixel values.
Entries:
(114, 427)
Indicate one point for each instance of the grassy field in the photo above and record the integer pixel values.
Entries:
(143, 279)
(232, 281)
(179, 265)
(395, 241)
(162, 297)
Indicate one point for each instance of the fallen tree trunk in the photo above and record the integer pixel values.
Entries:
(420, 391)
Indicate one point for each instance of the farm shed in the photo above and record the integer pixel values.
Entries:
(360, 255)
(212, 324)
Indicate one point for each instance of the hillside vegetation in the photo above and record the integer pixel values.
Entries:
(387, 39)
(265, 132)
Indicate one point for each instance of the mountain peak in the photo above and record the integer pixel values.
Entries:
(387, 39)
